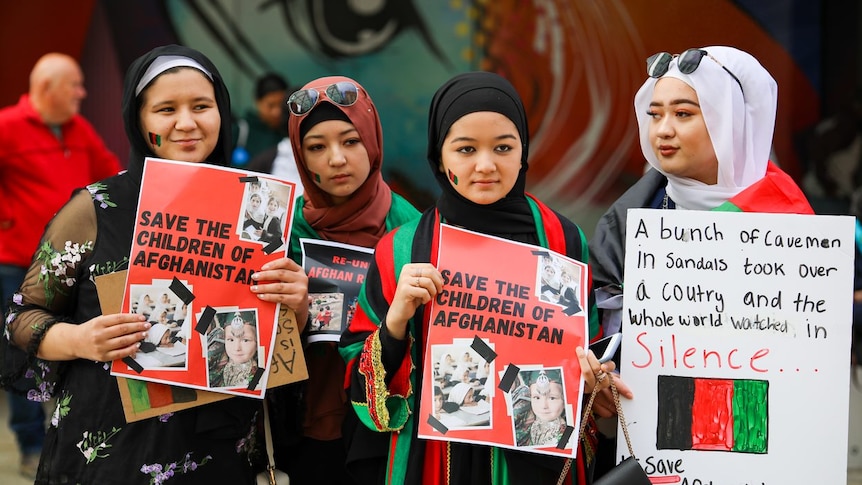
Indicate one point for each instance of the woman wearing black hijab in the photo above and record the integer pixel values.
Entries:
(175, 105)
(477, 151)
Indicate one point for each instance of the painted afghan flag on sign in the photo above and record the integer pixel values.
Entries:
(148, 395)
(712, 414)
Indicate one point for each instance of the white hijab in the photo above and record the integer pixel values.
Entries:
(156, 332)
(459, 392)
(739, 125)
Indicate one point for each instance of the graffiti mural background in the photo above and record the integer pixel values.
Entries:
(576, 63)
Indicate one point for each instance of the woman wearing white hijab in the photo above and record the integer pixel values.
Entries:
(706, 119)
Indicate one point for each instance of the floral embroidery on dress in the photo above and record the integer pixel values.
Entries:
(99, 193)
(61, 410)
(248, 443)
(159, 474)
(93, 445)
(44, 389)
(58, 268)
(17, 299)
(108, 267)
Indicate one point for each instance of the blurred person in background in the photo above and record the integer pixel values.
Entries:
(263, 126)
(47, 150)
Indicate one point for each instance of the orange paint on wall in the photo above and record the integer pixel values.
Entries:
(601, 68)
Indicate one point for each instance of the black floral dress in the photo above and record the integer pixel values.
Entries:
(88, 440)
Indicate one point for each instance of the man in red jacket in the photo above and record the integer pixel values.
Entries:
(46, 151)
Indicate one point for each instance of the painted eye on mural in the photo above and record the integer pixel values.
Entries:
(346, 28)
(331, 28)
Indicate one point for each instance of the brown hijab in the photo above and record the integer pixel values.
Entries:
(360, 220)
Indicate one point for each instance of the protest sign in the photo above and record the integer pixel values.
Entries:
(200, 232)
(500, 354)
(335, 274)
(736, 338)
(142, 399)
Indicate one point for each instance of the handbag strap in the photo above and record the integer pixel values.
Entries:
(622, 417)
(267, 434)
(587, 410)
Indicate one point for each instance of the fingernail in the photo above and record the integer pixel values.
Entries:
(253, 287)
(255, 276)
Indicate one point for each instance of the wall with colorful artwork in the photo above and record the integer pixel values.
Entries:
(577, 65)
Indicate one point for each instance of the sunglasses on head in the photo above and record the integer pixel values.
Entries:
(688, 62)
(342, 93)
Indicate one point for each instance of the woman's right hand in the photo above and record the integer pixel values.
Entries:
(598, 374)
(103, 338)
(418, 284)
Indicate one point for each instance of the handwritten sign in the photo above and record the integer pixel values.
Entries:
(736, 341)
(500, 361)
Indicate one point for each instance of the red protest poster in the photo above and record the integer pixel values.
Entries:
(200, 232)
(501, 346)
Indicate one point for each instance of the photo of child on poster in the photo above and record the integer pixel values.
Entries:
(335, 275)
(233, 356)
(165, 344)
(559, 281)
(263, 212)
(462, 388)
(540, 414)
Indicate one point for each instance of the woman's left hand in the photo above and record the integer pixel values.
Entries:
(283, 281)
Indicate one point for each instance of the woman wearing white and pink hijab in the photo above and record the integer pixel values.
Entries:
(706, 119)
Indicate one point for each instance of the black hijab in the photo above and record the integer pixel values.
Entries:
(131, 107)
(509, 217)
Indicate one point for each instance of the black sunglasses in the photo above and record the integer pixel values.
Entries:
(689, 60)
(342, 93)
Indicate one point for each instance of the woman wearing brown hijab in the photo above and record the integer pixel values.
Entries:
(337, 138)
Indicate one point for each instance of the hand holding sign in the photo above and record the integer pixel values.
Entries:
(418, 284)
(103, 338)
(595, 373)
(283, 281)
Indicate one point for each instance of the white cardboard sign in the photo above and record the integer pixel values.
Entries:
(736, 344)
